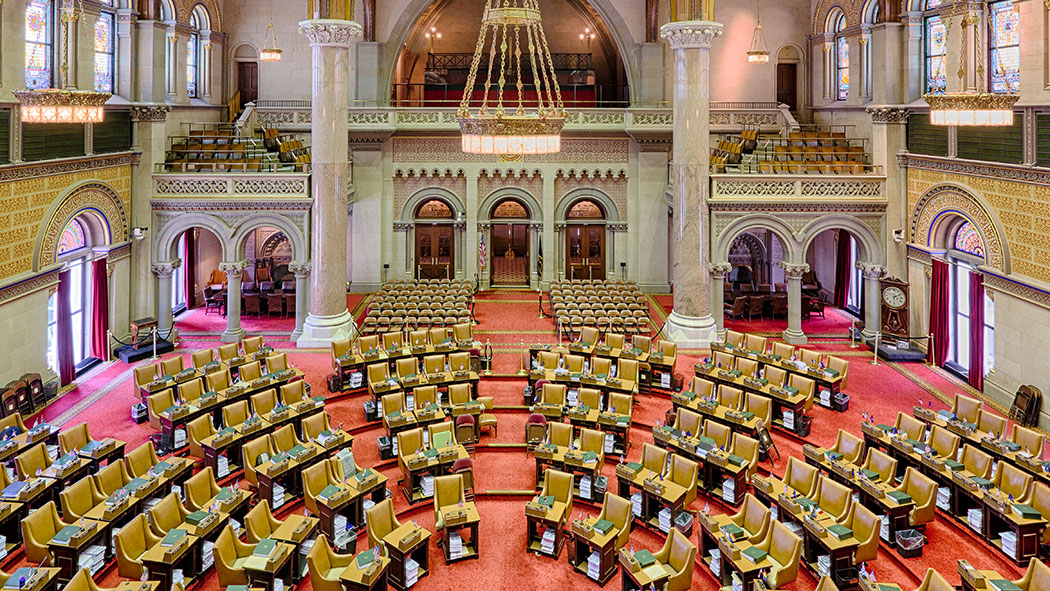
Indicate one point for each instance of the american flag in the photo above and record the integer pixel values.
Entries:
(482, 252)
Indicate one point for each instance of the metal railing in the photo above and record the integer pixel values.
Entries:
(450, 95)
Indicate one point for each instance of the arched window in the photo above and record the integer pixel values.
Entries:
(935, 50)
(510, 209)
(966, 252)
(841, 59)
(40, 44)
(73, 250)
(72, 239)
(1004, 47)
(585, 209)
(434, 209)
(105, 48)
(968, 240)
(193, 50)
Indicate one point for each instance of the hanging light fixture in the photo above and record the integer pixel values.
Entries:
(758, 54)
(508, 128)
(971, 108)
(66, 104)
(270, 52)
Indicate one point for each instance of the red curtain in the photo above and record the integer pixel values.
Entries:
(976, 378)
(842, 270)
(64, 331)
(99, 309)
(189, 265)
(939, 307)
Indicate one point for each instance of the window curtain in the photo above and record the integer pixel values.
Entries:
(99, 309)
(842, 271)
(64, 331)
(976, 377)
(939, 307)
(189, 264)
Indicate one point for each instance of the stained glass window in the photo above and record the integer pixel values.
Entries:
(841, 60)
(936, 49)
(193, 56)
(1004, 46)
(72, 238)
(104, 52)
(968, 240)
(39, 44)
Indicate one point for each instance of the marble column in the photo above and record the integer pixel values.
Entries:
(872, 298)
(69, 21)
(171, 67)
(302, 294)
(690, 323)
(718, 279)
(149, 138)
(329, 319)
(233, 333)
(889, 136)
(793, 273)
(164, 271)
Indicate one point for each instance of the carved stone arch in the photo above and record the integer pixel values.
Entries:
(245, 52)
(822, 15)
(526, 198)
(867, 11)
(211, 7)
(751, 242)
(869, 244)
(939, 203)
(165, 243)
(612, 213)
(300, 252)
(790, 244)
(408, 211)
(89, 196)
(273, 242)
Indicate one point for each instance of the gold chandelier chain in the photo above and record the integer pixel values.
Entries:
(502, 71)
(464, 105)
(550, 63)
(540, 79)
(517, 61)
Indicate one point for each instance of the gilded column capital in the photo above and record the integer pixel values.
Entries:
(720, 270)
(888, 114)
(300, 269)
(870, 270)
(794, 271)
(330, 32)
(691, 34)
(166, 269)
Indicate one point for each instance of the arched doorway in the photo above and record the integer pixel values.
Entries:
(197, 280)
(509, 235)
(789, 83)
(834, 278)
(246, 59)
(585, 245)
(435, 240)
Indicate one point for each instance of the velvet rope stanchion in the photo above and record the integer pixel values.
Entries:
(853, 334)
(521, 365)
(875, 349)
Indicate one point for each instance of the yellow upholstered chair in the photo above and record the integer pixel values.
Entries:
(944, 443)
(392, 340)
(442, 427)
(621, 403)
(260, 523)
(826, 584)
(112, 477)
(463, 332)
(923, 493)
(617, 510)
(82, 581)
(408, 443)
(340, 348)
(553, 393)
(252, 345)
(1013, 481)
(79, 497)
(235, 414)
(701, 387)
(190, 391)
(1029, 439)
(850, 446)
(315, 479)
(688, 421)
(911, 427)
(391, 403)
(217, 381)
(231, 554)
(737, 339)
(264, 401)
(730, 397)
(200, 489)
(975, 461)
(549, 359)
(448, 495)
(842, 366)
(424, 396)
(487, 419)
(669, 350)
(251, 371)
(13, 420)
(641, 342)
(314, 424)
(628, 370)
(293, 393)
(325, 566)
(381, 521)
(654, 458)
(458, 394)
(77, 436)
(558, 484)
(806, 386)
(37, 530)
(197, 431)
(722, 434)
(934, 581)
(144, 374)
(560, 434)
(407, 367)
(203, 357)
(966, 408)
(776, 375)
(228, 352)
(368, 343)
(28, 462)
(754, 518)
(684, 473)
(417, 338)
(253, 453)
(593, 440)
(760, 406)
(601, 365)
(833, 498)
(277, 362)
(158, 403)
(747, 448)
(378, 373)
(459, 361)
(989, 422)
(748, 367)
(614, 340)
(882, 464)
(131, 543)
(574, 363)
(784, 549)
(141, 459)
(809, 357)
(171, 365)
(167, 514)
(784, 350)
(588, 336)
(755, 343)
(680, 554)
(801, 477)
(1040, 501)
(1036, 578)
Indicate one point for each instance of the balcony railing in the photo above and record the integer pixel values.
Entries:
(226, 185)
(799, 187)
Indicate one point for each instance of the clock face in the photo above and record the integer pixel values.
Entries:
(894, 297)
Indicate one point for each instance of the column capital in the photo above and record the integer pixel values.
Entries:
(330, 32)
(720, 270)
(233, 268)
(871, 270)
(888, 114)
(166, 269)
(794, 270)
(300, 269)
(691, 34)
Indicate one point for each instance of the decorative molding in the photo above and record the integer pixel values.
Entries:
(150, 113)
(720, 270)
(227, 185)
(920, 256)
(617, 227)
(690, 34)
(951, 198)
(24, 170)
(870, 270)
(1011, 287)
(97, 197)
(405, 226)
(331, 33)
(793, 271)
(186, 205)
(121, 252)
(300, 269)
(32, 284)
(751, 186)
(794, 207)
(1010, 172)
(233, 268)
(166, 269)
(888, 114)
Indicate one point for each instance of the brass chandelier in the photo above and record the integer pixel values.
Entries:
(508, 127)
(270, 52)
(758, 53)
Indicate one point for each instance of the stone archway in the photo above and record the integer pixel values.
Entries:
(95, 197)
(947, 200)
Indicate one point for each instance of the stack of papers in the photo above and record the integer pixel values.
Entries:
(365, 506)
(393, 444)
(944, 498)
(664, 518)
(411, 572)
(789, 420)
(738, 584)
(223, 466)
(357, 379)
(426, 438)
(410, 404)
(547, 542)
(52, 452)
(180, 438)
(1009, 540)
(92, 559)
(975, 517)
(729, 491)
(585, 487)
(794, 526)
(427, 484)
(594, 563)
(207, 558)
(236, 525)
(455, 545)
(824, 565)
(609, 441)
(343, 536)
(665, 380)
(278, 585)
(636, 504)
(884, 529)
(716, 562)
(3, 546)
(825, 397)
(572, 397)
(177, 577)
(306, 546)
(773, 511)
(278, 495)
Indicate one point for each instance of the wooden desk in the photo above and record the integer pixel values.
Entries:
(538, 520)
(108, 451)
(67, 554)
(372, 578)
(36, 494)
(471, 543)
(431, 463)
(656, 494)
(115, 516)
(582, 380)
(346, 503)
(262, 571)
(235, 506)
(11, 516)
(616, 424)
(735, 420)
(37, 579)
(442, 380)
(161, 561)
(209, 527)
(977, 580)
(76, 470)
(584, 542)
(295, 530)
(823, 380)
(784, 399)
(818, 541)
(999, 515)
(552, 456)
(635, 578)
(407, 542)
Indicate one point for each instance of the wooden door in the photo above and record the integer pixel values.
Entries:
(787, 85)
(585, 253)
(248, 82)
(434, 252)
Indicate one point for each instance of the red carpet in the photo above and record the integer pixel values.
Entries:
(506, 318)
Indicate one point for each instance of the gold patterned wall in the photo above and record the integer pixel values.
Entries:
(24, 207)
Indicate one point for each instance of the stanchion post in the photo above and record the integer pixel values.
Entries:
(875, 350)
(853, 334)
(154, 358)
(109, 347)
(540, 305)
(521, 365)
(930, 351)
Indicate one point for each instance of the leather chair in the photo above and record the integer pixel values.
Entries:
(730, 397)
(487, 419)
(200, 489)
(254, 453)
(1036, 578)
(424, 396)
(776, 375)
(1040, 501)
(235, 414)
(754, 518)
(622, 404)
(390, 404)
(574, 363)
(833, 498)
(923, 492)
(252, 345)
(966, 408)
(82, 581)
(28, 462)
(203, 357)
(806, 386)
(37, 530)
(260, 523)
(409, 366)
(1028, 439)
(589, 336)
(748, 367)
(284, 439)
(392, 340)
(593, 440)
(614, 340)
(326, 566)
(737, 339)
(866, 526)
(720, 433)
(944, 443)
(842, 366)
(277, 362)
(141, 459)
(654, 458)
(760, 406)
(628, 370)
(229, 351)
(810, 357)
(746, 448)
(448, 495)
(250, 371)
(601, 365)
(378, 373)
(230, 556)
(669, 350)
(217, 381)
(112, 477)
(617, 510)
(883, 464)
(171, 365)
(801, 477)
(975, 461)
(535, 431)
(158, 403)
(684, 473)
(264, 402)
(13, 420)
(293, 393)
(191, 391)
(1013, 481)
(408, 443)
(826, 584)
(933, 581)
(197, 431)
(443, 427)
(560, 434)
(784, 350)
(417, 338)
(315, 479)
(79, 497)
(381, 521)
(559, 485)
(168, 514)
(680, 554)
(314, 424)
(753, 342)
(459, 394)
(368, 343)
(459, 361)
(144, 374)
(76, 437)
(549, 360)
(989, 422)
(553, 394)
(704, 389)
(784, 549)
(850, 446)
(911, 427)
(688, 421)
(131, 543)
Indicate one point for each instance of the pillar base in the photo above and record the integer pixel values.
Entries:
(320, 331)
(795, 337)
(296, 334)
(234, 336)
(690, 332)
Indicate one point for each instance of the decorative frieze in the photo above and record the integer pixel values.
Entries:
(888, 114)
(331, 33)
(690, 34)
(33, 284)
(150, 113)
(21, 171)
(1010, 172)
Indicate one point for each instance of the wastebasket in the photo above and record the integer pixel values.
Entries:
(909, 543)
(684, 523)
